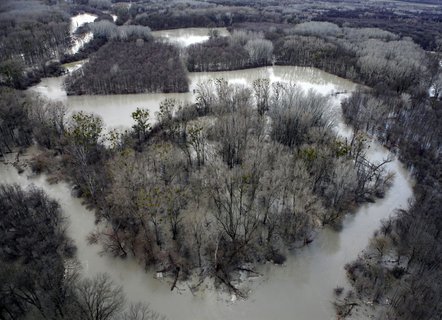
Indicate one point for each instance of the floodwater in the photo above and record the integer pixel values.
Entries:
(116, 110)
(179, 37)
(188, 36)
(76, 22)
(301, 289)
(80, 19)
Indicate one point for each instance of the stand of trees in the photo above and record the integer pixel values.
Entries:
(38, 271)
(34, 251)
(371, 56)
(31, 36)
(15, 124)
(176, 15)
(241, 50)
(315, 52)
(130, 67)
(109, 31)
(422, 26)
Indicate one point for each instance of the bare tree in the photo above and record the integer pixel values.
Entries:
(99, 298)
(261, 89)
(233, 193)
(437, 86)
(198, 142)
(260, 51)
(141, 311)
(294, 113)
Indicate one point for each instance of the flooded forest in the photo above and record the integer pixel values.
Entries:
(220, 159)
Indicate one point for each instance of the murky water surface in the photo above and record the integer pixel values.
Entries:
(186, 37)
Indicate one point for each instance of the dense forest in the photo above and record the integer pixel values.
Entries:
(130, 67)
(236, 178)
(241, 50)
(15, 129)
(32, 37)
(415, 20)
(127, 60)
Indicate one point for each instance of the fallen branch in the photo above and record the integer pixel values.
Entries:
(238, 292)
(248, 270)
(345, 309)
(176, 278)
